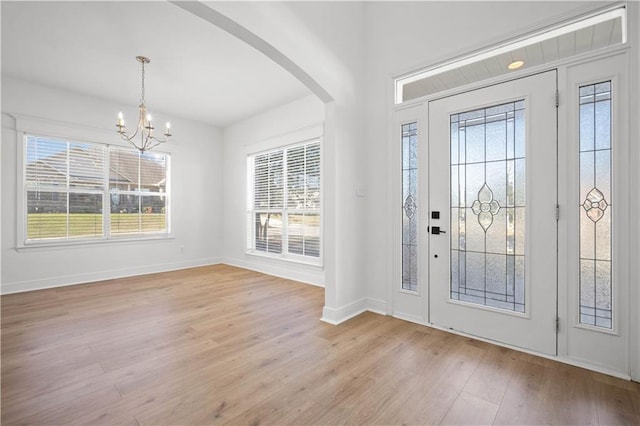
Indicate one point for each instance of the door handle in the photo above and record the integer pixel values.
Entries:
(435, 230)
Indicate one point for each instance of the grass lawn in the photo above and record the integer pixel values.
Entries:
(54, 225)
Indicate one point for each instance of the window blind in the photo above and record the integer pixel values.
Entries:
(64, 185)
(138, 192)
(284, 201)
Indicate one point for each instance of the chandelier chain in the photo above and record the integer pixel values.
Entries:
(142, 99)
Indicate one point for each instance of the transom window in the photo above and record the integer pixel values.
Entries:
(283, 202)
(68, 185)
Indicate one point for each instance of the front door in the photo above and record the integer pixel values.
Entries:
(492, 172)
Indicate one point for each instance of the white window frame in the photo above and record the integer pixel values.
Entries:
(29, 126)
(294, 139)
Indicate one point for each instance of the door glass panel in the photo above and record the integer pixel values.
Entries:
(595, 205)
(409, 206)
(488, 206)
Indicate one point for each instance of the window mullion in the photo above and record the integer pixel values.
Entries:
(139, 198)
(68, 186)
(285, 203)
(106, 194)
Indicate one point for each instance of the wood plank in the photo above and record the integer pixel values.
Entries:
(469, 409)
(223, 345)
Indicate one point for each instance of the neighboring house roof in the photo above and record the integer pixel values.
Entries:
(124, 169)
(86, 168)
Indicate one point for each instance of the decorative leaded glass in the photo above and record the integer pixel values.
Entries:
(488, 206)
(409, 206)
(595, 205)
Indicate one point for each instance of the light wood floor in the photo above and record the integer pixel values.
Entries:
(225, 345)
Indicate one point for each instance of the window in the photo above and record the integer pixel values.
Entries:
(138, 192)
(409, 206)
(284, 202)
(589, 33)
(596, 205)
(67, 184)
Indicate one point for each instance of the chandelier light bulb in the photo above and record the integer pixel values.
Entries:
(168, 125)
(148, 117)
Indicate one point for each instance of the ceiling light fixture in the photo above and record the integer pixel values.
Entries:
(515, 65)
(145, 127)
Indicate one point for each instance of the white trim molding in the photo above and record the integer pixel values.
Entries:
(314, 274)
(67, 280)
(339, 315)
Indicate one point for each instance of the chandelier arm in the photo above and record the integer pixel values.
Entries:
(157, 141)
(155, 144)
(160, 140)
(130, 137)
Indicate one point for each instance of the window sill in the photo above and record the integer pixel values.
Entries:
(299, 260)
(56, 245)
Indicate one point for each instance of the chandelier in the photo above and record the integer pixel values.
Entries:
(143, 138)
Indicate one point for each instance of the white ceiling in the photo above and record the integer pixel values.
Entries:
(594, 37)
(197, 70)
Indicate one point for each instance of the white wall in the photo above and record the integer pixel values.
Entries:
(263, 131)
(634, 271)
(326, 40)
(196, 219)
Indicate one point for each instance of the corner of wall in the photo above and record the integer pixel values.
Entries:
(336, 316)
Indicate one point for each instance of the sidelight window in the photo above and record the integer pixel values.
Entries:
(596, 205)
(409, 206)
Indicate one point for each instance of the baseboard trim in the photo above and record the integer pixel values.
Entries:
(339, 315)
(410, 318)
(377, 306)
(286, 273)
(66, 280)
